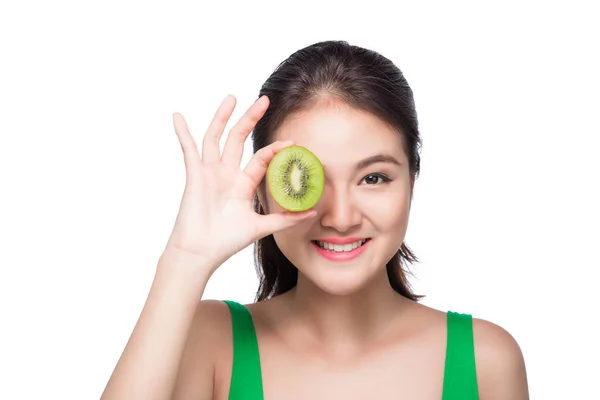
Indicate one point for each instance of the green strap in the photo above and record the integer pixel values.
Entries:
(460, 379)
(246, 377)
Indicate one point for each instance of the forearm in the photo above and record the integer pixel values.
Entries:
(149, 364)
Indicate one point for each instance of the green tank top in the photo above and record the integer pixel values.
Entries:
(460, 381)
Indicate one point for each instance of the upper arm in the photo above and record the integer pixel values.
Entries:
(195, 377)
(500, 365)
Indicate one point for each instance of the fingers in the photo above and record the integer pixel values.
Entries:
(275, 222)
(234, 146)
(211, 153)
(191, 157)
(257, 167)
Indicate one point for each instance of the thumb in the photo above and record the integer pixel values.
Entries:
(275, 222)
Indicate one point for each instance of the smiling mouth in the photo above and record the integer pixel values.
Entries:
(340, 248)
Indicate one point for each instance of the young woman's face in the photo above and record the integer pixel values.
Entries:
(367, 196)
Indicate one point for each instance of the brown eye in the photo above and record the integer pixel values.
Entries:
(374, 179)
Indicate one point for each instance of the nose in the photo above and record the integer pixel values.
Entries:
(338, 211)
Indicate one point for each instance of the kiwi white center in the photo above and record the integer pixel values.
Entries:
(296, 178)
(297, 175)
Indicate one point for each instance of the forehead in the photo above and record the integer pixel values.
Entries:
(338, 132)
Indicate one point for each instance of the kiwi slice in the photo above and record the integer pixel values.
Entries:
(295, 178)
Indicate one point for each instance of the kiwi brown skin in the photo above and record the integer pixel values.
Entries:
(295, 179)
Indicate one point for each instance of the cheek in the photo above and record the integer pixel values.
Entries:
(388, 210)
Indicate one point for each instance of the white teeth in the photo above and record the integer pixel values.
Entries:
(341, 247)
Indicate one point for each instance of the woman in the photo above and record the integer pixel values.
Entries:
(328, 323)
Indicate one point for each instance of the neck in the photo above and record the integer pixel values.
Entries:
(344, 324)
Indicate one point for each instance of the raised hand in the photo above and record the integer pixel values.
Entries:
(216, 219)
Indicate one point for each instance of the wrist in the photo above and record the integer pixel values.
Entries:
(184, 265)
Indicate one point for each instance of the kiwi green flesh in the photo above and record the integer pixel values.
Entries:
(295, 178)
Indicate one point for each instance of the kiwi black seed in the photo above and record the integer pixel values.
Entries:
(295, 178)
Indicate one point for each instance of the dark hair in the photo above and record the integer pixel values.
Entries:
(362, 79)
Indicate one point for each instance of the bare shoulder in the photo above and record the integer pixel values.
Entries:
(209, 337)
(211, 321)
(500, 365)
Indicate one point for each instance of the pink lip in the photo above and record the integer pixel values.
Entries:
(341, 256)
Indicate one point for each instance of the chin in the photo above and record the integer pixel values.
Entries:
(338, 283)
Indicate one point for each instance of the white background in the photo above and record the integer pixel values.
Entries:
(505, 214)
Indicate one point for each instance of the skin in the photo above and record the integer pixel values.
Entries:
(343, 332)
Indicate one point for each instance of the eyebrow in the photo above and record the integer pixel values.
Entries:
(379, 158)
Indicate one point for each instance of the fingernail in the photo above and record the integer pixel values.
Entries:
(264, 96)
(311, 214)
